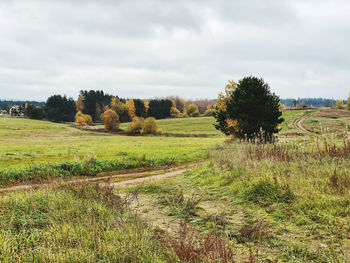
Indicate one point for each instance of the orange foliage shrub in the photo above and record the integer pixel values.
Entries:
(136, 125)
(110, 120)
(82, 119)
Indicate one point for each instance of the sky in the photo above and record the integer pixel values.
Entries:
(156, 48)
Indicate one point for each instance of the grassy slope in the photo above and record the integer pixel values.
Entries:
(25, 142)
(287, 203)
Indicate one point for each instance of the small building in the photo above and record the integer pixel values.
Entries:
(14, 110)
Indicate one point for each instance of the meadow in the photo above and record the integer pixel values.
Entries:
(40, 147)
(287, 202)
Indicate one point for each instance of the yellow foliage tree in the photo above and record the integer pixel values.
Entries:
(146, 103)
(192, 110)
(174, 112)
(114, 104)
(184, 113)
(150, 126)
(281, 105)
(110, 120)
(222, 98)
(339, 104)
(348, 104)
(82, 119)
(79, 104)
(130, 106)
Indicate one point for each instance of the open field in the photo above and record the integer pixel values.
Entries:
(25, 142)
(288, 202)
(202, 126)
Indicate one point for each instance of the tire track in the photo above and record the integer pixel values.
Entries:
(170, 172)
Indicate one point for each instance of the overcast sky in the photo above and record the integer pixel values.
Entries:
(189, 48)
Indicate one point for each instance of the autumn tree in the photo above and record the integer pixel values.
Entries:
(192, 110)
(339, 104)
(180, 104)
(136, 125)
(348, 104)
(79, 104)
(122, 112)
(130, 106)
(209, 112)
(110, 120)
(247, 109)
(146, 103)
(114, 104)
(174, 112)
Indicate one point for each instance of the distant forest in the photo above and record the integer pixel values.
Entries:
(310, 102)
(202, 104)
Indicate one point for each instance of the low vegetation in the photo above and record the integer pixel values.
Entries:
(282, 202)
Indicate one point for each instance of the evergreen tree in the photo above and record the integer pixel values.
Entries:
(60, 109)
(250, 108)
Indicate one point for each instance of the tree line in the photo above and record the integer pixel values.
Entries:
(94, 103)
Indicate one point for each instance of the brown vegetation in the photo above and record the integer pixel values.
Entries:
(110, 120)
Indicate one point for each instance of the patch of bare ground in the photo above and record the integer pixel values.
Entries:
(147, 208)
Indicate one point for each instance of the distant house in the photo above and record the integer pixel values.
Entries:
(14, 110)
(3, 112)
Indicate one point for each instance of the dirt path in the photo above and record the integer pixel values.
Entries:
(298, 124)
(142, 177)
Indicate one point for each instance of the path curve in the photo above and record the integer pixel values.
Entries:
(298, 124)
(168, 172)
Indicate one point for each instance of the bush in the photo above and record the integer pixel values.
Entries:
(339, 104)
(150, 126)
(110, 120)
(193, 111)
(136, 125)
(209, 112)
(82, 119)
(174, 112)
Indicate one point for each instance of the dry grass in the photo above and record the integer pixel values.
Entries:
(255, 230)
(190, 247)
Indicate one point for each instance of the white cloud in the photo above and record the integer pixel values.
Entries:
(158, 48)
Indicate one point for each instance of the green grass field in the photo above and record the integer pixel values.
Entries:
(27, 142)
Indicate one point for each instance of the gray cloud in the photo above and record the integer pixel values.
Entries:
(158, 48)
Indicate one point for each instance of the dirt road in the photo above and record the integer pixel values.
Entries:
(141, 177)
(298, 124)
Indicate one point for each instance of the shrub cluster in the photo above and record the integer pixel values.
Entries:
(82, 119)
(141, 126)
